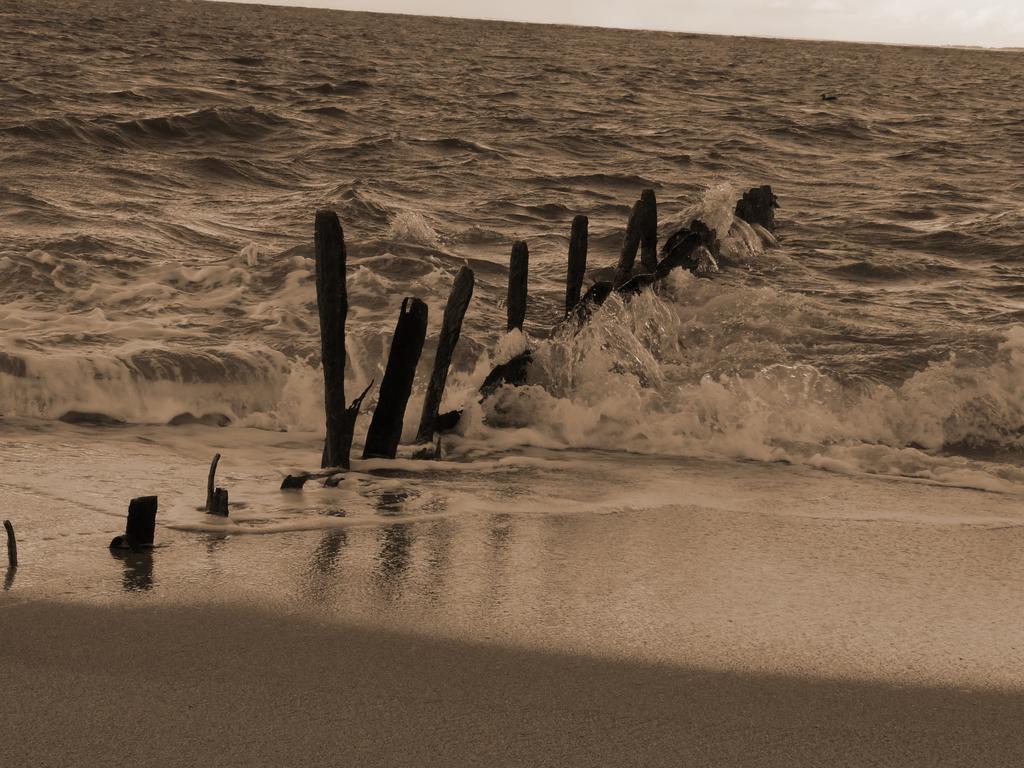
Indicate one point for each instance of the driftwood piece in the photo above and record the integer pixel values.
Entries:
(332, 303)
(349, 424)
(630, 245)
(295, 482)
(216, 498)
(757, 206)
(406, 345)
(141, 526)
(451, 328)
(648, 230)
(12, 545)
(577, 263)
(518, 275)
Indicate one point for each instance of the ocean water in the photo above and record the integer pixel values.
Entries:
(160, 165)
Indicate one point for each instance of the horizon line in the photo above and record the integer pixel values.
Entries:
(946, 46)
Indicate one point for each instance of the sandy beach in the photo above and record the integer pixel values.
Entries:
(731, 615)
(174, 686)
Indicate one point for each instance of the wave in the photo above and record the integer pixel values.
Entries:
(204, 124)
(641, 377)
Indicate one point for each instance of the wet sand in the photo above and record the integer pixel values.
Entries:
(237, 686)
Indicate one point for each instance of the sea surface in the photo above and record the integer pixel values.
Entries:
(160, 165)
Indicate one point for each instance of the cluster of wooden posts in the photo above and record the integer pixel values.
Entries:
(694, 247)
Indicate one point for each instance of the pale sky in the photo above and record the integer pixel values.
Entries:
(997, 23)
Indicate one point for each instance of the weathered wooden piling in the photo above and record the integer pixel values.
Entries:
(332, 303)
(577, 263)
(630, 245)
(757, 206)
(386, 426)
(12, 545)
(518, 275)
(451, 327)
(649, 230)
(141, 526)
(216, 498)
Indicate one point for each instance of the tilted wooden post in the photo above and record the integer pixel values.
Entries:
(332, 302)
(630, 245)
(649, 230)
(141, 526)
(12, 545)
(518, 273)
(577, 263)
(406, 345)
(216, 498)
(451, 327)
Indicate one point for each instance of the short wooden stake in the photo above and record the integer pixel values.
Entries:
(577, 263)
(386, 425)
(518, 273)
(12, 545)
(332, 303)
(216, 498)
(141, 526)
(451, 327)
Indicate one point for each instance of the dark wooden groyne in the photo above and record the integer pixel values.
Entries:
(694, 247)
(332, 303)
(451, 328)
(395, 388)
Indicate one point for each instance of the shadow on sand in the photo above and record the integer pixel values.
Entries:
(238, 686)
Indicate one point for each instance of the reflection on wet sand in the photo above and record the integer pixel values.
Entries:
(322, 575)
(137, 575)
(393, 559)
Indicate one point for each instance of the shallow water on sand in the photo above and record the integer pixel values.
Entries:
(709, 563)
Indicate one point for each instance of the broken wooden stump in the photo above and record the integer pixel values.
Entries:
(577, 263)
(681, 248)
(332, 303)
(141, 526)
(757, 206)
(406, 345)
(451, 327)
(512, 372)
(12, 545)
(216, 498)
(648, 230)
(630, 245)
(518, 275)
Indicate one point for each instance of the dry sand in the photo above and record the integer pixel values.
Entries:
(234, 686)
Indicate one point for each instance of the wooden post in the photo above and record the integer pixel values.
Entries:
(757, 206)
(451, 327)
(518, 272)
(386, 426)
(216, 498)
(332, 302)
(141, 526)
(630, 245)
(12, 545)
(577, 263)
(649, 230)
